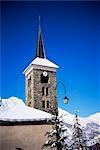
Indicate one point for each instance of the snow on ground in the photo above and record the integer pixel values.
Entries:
(14, 109)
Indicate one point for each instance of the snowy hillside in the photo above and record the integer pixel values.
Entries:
(14, 109)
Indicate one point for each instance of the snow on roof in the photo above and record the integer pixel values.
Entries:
(42, 62)
(14, 109)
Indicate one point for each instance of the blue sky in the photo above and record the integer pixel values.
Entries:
(71, 35)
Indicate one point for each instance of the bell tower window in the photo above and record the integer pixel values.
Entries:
(44, 79)
(47, 104)
(47, 91)
(29, 82)
(43, 91)
(43, 104)
(29, 95)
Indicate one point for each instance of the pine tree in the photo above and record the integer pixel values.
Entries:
(78, 136)
(57, 136)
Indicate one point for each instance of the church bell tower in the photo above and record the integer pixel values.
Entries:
(40, 80)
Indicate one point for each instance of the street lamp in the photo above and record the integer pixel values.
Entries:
(66, 100)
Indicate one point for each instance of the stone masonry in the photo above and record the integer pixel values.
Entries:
(34, 96)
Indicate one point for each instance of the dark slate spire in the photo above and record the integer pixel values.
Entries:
(40, 47)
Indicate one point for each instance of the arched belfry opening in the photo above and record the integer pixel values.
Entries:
(40, 77)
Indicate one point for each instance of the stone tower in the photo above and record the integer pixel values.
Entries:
(40, 80)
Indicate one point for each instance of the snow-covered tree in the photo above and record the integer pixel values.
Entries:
(57, 137)
(78, 136)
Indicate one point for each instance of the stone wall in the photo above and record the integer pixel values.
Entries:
(26, 137)
(35, 97)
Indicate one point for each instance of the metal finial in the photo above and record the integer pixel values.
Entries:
(39, 23)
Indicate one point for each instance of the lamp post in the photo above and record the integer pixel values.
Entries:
(65, 100)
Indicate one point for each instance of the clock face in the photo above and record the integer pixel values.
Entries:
(45, 74)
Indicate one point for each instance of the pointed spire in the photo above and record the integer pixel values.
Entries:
(40, 47)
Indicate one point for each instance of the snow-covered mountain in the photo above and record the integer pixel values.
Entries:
(90, 125)
(14, 109)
